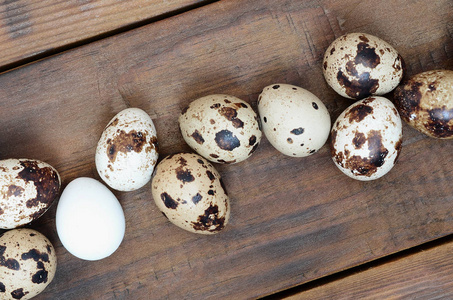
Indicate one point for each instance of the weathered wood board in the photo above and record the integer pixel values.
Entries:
(293, 219)
(422, 275)
(32, 29)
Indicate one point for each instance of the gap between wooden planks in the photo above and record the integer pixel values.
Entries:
(32, 30)
(422, 272)
(292, 220)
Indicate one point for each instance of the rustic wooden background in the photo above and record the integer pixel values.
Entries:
(293, 220)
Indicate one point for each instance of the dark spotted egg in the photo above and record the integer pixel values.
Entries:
(188, 190)
(221, 128)
(28, 188)
(366, 138)
(425, 102)
(295, 121)
(127, 151)
(357, 65)
(27, 263)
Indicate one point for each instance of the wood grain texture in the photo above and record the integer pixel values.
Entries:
(292, 219)
(33, 28)
(422, 275)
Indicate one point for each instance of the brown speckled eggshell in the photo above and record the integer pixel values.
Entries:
(188, 190)
(127, 151)
(366, 139)
(357, 65)
(425, 102)
(221, 128)
(27, 263)
(28, 188)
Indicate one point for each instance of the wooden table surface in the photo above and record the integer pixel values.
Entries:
(70, 66)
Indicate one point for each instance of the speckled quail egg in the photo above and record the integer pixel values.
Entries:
(357, 65)
(366, 138)
(293, 119)
(425, 102)
(221, 128)
(188, 190)
(27, 263)
(127, 152)
(28, 188)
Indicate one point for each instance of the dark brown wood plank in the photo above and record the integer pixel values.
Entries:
(293, 220)
(421, 275)
(31, 29)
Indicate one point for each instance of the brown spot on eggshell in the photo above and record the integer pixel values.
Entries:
(18, 293)
(231, 115)
(14, 190)
(213, 155)
(40, 276)
(439, 122)
(184, 175)
(407, 99)
(367, 166)
(9, 263)
(215, 106)
(2, 287)
(289, 140)
(297, 131)
(210, 175)
(209, 219)
(358, 112)
(46, 181)
(197, 198)
(252, 140)
(125, 142)
(367, 56)
(226, 140)
(358, 140)
(198, 137)
(168, 201)
(358, 89)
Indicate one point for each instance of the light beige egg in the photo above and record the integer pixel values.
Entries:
(188, 190)
(357, 65)
(27, 263)
(294, 120)
(127, 151)
(366, 139)
(425, 102)
(221, 128)
(28, 187)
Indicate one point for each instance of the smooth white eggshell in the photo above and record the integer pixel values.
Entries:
(126, 153)
(90, 220)
(28, 263)
(295, 121)
(366, 138)
(357, 65)
(221, 128)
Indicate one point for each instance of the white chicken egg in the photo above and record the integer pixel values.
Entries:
(366, 138)
(127, 152)
(293, 119)
(90, 221)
